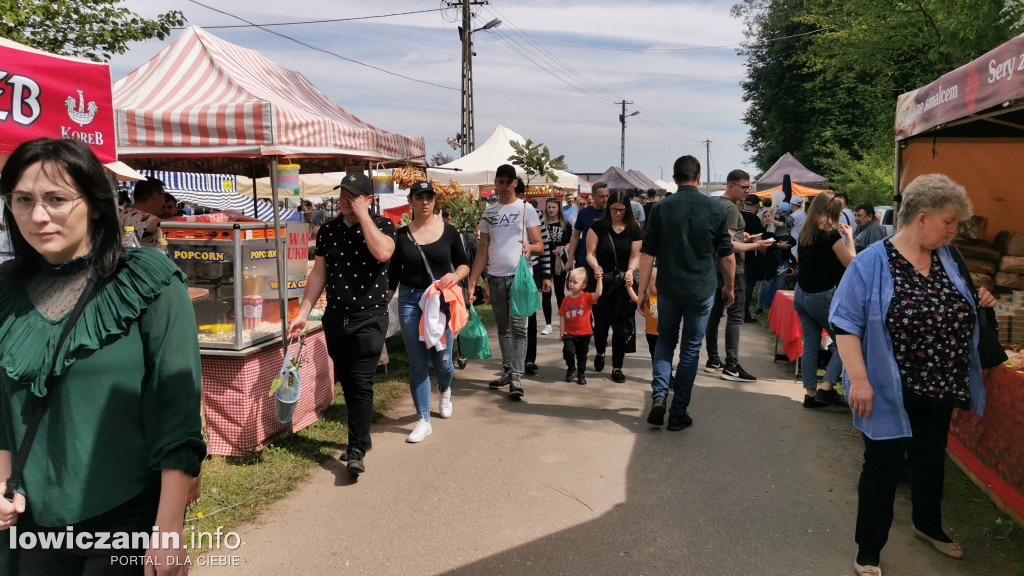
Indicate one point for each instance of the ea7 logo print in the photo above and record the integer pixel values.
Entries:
(508, 219)
(83, 114)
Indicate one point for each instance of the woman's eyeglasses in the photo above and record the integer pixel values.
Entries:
(57, 205)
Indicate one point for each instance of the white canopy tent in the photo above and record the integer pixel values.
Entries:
(477, 168)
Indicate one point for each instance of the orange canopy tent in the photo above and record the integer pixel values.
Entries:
(798, 190)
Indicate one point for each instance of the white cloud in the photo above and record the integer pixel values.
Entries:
(692, 95)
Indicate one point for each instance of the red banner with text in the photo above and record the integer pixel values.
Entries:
(57, 97)
(991, 80)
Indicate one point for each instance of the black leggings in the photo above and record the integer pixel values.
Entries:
(603, 320)
(545, 299)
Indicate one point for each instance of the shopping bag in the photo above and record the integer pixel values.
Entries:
(524, 298)
(473, 338)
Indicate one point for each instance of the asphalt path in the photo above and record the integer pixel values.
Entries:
(572, 480)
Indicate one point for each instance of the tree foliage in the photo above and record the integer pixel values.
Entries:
(535, 160)
(94, 29)
(824, 76)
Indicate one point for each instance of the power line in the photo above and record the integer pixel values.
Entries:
(311, 47)
(584, 85)
(690, 49)
(324, 21)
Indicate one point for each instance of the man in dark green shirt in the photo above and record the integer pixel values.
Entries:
(685, 232)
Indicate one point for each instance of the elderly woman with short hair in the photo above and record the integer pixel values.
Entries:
(907, 331)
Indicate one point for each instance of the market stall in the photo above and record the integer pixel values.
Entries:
(476, 169)
(969, 125)
(206, 105)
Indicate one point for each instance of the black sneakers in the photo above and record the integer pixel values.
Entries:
(501, 382)
(713, 365)
(618, 376)
(581, 380)
(830, 397)
(657, 415)
(570, 374)
(812, 402)
(599, 362)
(736, 373)
(515, 390)
(530, 368)
(355, 465)
(677, 422)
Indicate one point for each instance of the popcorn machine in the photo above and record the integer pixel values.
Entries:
(236, 262)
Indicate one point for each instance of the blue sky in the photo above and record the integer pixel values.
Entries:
(684, 96)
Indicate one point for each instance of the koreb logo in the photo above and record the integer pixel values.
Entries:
(83, 114)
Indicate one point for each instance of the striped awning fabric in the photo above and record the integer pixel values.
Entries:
(216, 192)
(204, 96)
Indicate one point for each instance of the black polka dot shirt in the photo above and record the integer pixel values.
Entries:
(356, 281)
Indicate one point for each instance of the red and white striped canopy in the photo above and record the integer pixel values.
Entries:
(203, 96)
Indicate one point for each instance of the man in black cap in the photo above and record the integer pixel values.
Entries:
(751, 260)
(508, 230)
(352, 255)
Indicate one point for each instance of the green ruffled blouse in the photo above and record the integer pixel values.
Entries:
(127, 399)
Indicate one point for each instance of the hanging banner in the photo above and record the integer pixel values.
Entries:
(988, 81)
(288, 178)
(54, 96)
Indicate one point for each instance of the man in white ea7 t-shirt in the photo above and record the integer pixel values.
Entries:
(502, 243)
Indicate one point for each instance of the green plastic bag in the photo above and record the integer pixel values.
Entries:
(524, 298)
(473, 338)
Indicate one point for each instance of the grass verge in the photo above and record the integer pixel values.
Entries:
(237, 489)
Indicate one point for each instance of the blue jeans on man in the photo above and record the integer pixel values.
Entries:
(693, 316)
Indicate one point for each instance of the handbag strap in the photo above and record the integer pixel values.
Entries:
(41, 403)
(964, 272)
(615, 252)
(426, 264)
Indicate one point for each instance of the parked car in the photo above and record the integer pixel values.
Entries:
(887, 216)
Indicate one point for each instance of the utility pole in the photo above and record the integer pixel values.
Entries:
(707, 159)
(622, 119)
(468, 129)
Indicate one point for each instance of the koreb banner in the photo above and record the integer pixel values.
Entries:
(43, 94)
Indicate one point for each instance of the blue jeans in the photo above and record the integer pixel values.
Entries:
(770, 286)
(812, 309)
(409, 314)
(693, 316)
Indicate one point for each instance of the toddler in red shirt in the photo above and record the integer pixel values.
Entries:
(574, 323)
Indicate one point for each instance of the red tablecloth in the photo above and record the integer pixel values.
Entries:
(784, 322)
(241, 414)
(992, 447)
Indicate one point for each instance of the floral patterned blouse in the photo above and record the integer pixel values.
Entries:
(930, 323)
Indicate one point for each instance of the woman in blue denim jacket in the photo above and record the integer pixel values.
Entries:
(907, 333)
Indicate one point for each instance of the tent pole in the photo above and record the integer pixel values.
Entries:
(282, 261)
(255, 205)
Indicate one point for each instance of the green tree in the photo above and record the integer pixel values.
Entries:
(536, 160)
(94, 29)
(824, 76)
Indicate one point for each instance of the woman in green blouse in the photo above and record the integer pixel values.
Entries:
(121, 435)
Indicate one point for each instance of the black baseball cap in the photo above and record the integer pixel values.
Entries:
(752, 199)
(421, 187)
(358, 184)
(506, 171)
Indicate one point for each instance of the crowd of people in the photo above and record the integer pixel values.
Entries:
(889, 303)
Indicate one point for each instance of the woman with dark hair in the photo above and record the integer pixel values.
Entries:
(613, 251)
(426, 240)
(907, 325)
(119, 391)
(559, 233)
(824, 250)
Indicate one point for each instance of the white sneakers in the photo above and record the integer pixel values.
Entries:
(421, 431)
(546, 330)
(446, 403)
